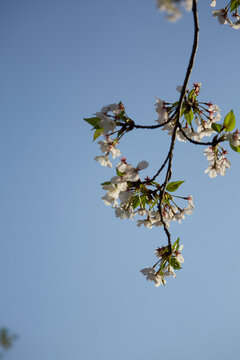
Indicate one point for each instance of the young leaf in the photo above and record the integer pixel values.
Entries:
(154, 202)
(176, 245)
(174, 185)
(97, 133)
(163, 264)
(189, 116)
(166, 198)
(174, 263)
(237, 149)
(235, 4)
(183, 109)
(94, 122)
(106, 183)
(191, 94)
(135, 201)
(229, 121)
(143, 200)
(119, 172)
(217, 127)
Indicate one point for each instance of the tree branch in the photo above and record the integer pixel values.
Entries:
(214, 142)
(177, 125)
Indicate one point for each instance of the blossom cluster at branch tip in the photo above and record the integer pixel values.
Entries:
(107, 146)
(169, 261)
(204, 116)
(130, 196)
(118, 188)
(218, 163)
(198, 120)
(170, 212)
(223, 17)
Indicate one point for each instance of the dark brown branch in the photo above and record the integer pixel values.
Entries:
(148, 126)
(151, 126)
(161, 168)
(177, 125)
(214, 142)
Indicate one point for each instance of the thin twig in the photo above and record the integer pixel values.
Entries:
(213, 143)
(151, 126)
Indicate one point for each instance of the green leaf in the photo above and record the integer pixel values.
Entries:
(166, 198)
(191, 94)
(106, 183)
(183, 109)
(154, 202)
(94, 122)
(174, 263)
(97, 133)
(135, 201)
(143, 200)
(163, 264)
(173, 186)
(229, 121)
(237, 149)
(189, 116)
(235, 4)
(119, 172)
(176, 245)
(217, 127)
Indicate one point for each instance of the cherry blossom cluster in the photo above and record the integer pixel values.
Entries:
(125, 192)
(223, 14)
(216, 155)
(199, 120)
(173, 8)
(218, 163)
(169, 261)
(105, 123)
(130, 196)
(174, 11)
(197, 117)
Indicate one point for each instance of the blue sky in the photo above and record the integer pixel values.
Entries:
(70, 281)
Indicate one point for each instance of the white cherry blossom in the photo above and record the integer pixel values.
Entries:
(190, 201)
(222, 16)
(124, 196)
(236, 25)
(124, 213)
(158, 277)
(103, 160)
(234, 138)
(152, 275)
(210, 153)
(179, 256)
(108, 125)
(142, 165)
(218, 162)
(169, 271)
(161, 111)
(107, 146)
(110, 198)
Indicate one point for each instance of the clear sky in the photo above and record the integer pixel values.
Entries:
(70, 281)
